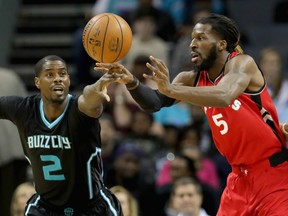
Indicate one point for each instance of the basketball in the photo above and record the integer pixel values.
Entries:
(107, 38)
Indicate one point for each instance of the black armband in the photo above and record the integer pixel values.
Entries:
(134, 84)
(150, 100)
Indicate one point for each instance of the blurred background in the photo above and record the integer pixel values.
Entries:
(32, 29)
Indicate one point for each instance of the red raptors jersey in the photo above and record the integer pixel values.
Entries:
(248, 129)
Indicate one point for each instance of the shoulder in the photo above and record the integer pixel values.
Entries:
(243, 63)
(241, 59)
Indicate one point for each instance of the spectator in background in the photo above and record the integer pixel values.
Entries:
(83, 62)
(189, 145)
(170, 147)
(13, 165)
(183, 166)
(110, 139)
(186, 198)
(178, 9)
(206, 169)
(141, 134)
(119, 7)
(127, 172)
(165, 24)
(271, 64)
(128, 202)
(145, 40)
(180, 59)
(21, 195)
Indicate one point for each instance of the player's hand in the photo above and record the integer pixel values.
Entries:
(117, 71)
(160, 75)
(103, 83)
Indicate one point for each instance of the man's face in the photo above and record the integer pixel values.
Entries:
(179, 169)
(53, 81)
(127, 165)
(203, 46)
(187, 199)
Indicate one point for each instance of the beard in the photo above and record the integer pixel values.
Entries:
(207, 62)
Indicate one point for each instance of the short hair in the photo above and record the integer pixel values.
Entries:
(226, 28)
(141, 60)
(190, 163)
(186, 181)
(40, 63)
(143, 12)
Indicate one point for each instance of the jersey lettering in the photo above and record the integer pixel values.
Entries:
(236, 105)
(265, 115)
(48, 142)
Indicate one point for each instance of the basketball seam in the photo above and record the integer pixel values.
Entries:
(103, 45)
(122, 38)
(88, 33)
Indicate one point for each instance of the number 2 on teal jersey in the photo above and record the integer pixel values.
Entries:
(55, 166)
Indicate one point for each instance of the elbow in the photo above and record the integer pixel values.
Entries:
(225, 103)
(225, 100)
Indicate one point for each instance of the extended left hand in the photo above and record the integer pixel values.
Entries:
(160, 75)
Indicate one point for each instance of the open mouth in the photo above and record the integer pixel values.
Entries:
(195, 57)
(58, 89)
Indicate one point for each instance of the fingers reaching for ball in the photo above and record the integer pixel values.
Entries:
(111, 68)
(116, 70)
(159, 69)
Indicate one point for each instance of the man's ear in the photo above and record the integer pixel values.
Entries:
(222, 45)
(36, 81)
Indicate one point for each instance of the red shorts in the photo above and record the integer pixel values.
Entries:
(256, 190)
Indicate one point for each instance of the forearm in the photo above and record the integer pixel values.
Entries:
(91, 101)
(201, 96)
(150, 100)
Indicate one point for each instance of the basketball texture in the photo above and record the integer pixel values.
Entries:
(107, 38)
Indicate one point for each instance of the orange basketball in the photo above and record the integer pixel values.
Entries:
(107, 38)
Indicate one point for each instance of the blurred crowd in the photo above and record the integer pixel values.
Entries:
(161, 163)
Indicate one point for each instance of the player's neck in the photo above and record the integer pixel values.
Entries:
(218, 67)
(53, 110)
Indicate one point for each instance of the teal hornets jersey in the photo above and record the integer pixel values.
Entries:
(64, 154)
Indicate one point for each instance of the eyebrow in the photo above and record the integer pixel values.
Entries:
(58, 68)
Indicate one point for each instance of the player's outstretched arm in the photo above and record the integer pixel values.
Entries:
(148, 99)
(91, 100)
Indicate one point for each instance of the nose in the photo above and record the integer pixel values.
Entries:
(57, 78)
(193, 44)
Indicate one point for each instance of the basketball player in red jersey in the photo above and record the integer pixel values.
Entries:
(231, 90)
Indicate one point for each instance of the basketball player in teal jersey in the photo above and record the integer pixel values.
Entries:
(232, 92)
(60, 135)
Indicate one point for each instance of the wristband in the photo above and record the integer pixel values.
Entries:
(283, 128)
(133, 85)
